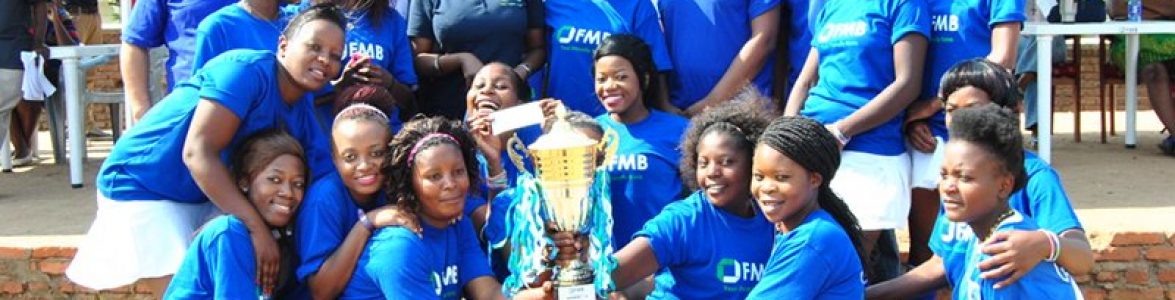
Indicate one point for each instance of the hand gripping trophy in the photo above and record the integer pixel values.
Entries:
(569, 192)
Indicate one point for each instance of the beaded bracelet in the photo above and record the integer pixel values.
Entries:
(365, 221)
(498, 182)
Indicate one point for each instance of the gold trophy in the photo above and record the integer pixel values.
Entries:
(565, 163)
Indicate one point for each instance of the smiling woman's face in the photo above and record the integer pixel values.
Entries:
(441, 182)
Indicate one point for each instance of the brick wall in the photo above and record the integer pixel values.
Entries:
(1132, 266)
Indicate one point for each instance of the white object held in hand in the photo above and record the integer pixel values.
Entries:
(517, 117)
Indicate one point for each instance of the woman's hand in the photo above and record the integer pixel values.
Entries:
(393, 215)
(1014, 253)
(919, 136)
(268, 258)
(481, 127)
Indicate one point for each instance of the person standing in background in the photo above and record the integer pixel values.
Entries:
(16, 20)
(155, 23)
(740, 50)
(23, 129)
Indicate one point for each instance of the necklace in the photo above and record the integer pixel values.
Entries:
(1003, 216)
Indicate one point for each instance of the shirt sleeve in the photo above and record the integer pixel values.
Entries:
(666, 233)
(647, 26)
(909, 16)
(1003, 11)
(399, 268)
(535, 17)
(232, 264)
(210, 41)
(420, 19)
(1050, 205)
(402, 67)
(473, 263)
(232, 84)
(794, 271)
(320, 228)
(472, 203)
(756, 8)
(145, 26)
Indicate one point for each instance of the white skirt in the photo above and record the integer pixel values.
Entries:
(131, 240)
(926, 168)
(875, 187)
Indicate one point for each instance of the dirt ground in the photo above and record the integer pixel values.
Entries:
(1113, 188)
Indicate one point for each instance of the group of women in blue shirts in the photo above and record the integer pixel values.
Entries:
(366, 206)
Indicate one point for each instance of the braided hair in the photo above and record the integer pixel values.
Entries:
(810, 145)
(398, 168)
(742, 119)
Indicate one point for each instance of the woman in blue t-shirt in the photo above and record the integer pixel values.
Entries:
(271, 171)
(718, 227)
(818, 251)
(160, 176)
(430, 172)
(982, 169)
(739, 49)
(978, 82)
(251, 24)
(452, 39)
(576, 28)
(643, 173)
(376, 52)
(961, 29)
(343, 210)
(864, 68)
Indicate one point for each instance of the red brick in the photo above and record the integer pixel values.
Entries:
(14, 253)
(1106, 276)
(1166, 275)
(1117, 254)
(53, 266)
(1170, 295)
(1136, 294)
(1082, 279)
(1138, 239)
(142, 289)
(11, 287)
(127, 289)
(1162, 253)
(1093, 293)
(54, 252)
(1137, 276)
(38, 286)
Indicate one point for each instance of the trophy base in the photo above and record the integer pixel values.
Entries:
(576, 292)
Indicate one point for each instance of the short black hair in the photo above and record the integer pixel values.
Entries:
(521, 87)
(743, 118)
(984, 75)
(996, 130)
(636, 52)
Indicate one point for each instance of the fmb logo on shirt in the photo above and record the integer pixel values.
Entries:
(944, 23)
(731, 271)
(579, 39)
(832, 31)
(629, 162)
(375, 51)
(449, 278)
(957, 231)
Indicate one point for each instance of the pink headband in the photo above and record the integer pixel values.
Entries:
(426, 138)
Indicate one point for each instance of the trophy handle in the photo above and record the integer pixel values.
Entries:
(515, 149)
(609, 144)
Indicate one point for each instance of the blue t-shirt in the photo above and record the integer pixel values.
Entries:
(218, 265)
(1045, 281)
(694, 240)
(644, 170)
(577, 28)
(1043, 199)
(170, 23)
(147, 162)
(701, 62)
(816, 260)
(855, 40)
(326, 217)
(233, 27)
(397, 264)
(799, 35)
(961, 30)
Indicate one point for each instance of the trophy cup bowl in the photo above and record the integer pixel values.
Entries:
(565, 163)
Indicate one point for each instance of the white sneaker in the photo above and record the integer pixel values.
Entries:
(28, 160)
